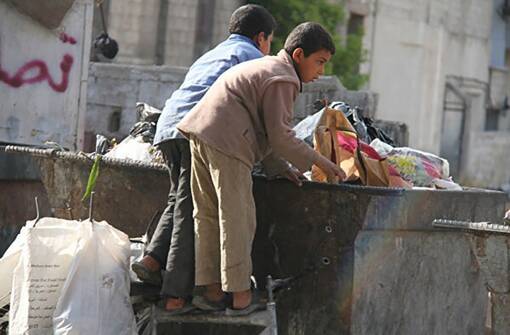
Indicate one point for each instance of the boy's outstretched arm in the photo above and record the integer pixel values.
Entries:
(278, 104)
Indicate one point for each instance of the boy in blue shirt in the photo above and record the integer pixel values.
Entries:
(172, 245)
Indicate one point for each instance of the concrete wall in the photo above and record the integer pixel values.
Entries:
(43, 76)
(330, 88)
(181, 31)
(223, 11)
(489, 160)
(413, 46)
(437, 66)
(500, 92)
(114, 90)
(135, 24)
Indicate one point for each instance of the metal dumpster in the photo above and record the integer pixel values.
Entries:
(366, 260)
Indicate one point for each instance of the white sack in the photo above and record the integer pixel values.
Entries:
(47, 251)
(95, 298)
(70, 277)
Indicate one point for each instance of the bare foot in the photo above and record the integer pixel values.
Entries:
(213, 292)
(172, 304)
(151, 263)
(242, 299)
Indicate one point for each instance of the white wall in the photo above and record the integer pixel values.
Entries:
(116, 88)
(33, 111)
(414, 45)
(488, 164)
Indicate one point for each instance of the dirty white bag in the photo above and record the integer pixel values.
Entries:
(8, 262)
(95, 296)
(71, 278)
(45, 254)
(132, 148)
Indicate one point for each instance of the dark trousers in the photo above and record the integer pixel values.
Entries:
(172, 243)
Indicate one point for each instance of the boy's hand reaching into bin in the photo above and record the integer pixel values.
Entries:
(330, 169)
(294, 175)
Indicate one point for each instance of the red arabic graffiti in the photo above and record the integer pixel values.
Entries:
(66, 38)
(36, 71)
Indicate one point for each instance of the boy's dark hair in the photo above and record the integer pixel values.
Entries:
(310, 37)
(250, 20)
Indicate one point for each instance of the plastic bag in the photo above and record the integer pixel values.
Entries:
(71, 277)
(419, 167)
(132, 148)
(95, 297)
(46, 253)
(306, 128)
(364, 126)
(446, 184)
(148, 117)
(138, 144)
(7, 263)
(147, 113)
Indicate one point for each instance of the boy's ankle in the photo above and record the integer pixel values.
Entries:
(241, 299)
(214, 292)
(174, 303)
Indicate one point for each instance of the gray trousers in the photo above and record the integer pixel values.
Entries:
(172, 243)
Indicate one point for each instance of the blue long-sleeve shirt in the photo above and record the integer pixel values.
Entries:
(201, 75)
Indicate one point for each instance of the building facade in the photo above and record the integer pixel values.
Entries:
(169, 32)
(441, 67)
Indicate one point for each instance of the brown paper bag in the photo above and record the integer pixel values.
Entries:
(356, 164)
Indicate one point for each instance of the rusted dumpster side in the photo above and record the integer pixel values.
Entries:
(127, 193)
(380, 267)
(366, 260)
(309, 232)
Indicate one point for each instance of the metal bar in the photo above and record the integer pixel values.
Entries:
(272, 328)
(116, 162)
(82, 157)
(154, 322)
(472, 226)
(103, 21)
(36, 209)
(91, 206)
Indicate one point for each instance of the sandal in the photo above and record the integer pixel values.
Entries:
(204, 304)
(256, 304)
(146, 275)
(178, 311)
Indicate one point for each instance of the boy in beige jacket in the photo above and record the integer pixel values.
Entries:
(244, 118)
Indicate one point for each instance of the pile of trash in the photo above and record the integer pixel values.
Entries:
(367, 155)
(138, 144)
